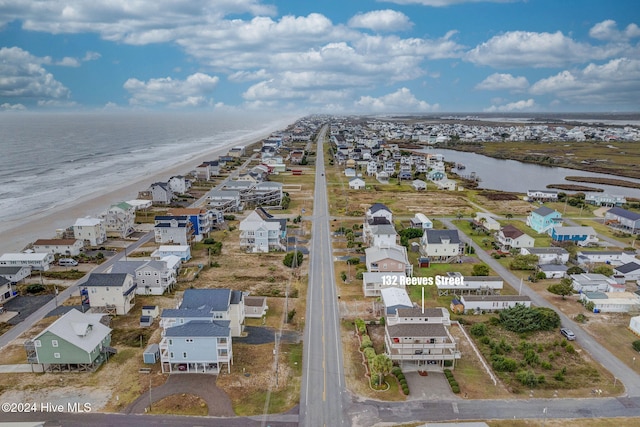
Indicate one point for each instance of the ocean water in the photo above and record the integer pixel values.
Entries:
(52, 159)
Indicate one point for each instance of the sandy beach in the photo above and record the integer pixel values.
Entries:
(16, 235)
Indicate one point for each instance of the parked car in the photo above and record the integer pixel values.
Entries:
(67, 262)
(568, 334)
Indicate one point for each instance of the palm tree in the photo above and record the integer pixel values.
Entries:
(382, 365)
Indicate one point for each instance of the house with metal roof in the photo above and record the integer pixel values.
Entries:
(479, 303)
(152, 277)
(611, 302)
(390, 259)
(76, 342)
(581, 236)
(92, 231)
(586, 282)
(111, 293)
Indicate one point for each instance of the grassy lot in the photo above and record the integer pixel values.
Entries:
(565, 369)
(612, 332)
(479, 236)
(181, 404)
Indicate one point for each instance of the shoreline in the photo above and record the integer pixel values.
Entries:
(477, 150)
(16, 234)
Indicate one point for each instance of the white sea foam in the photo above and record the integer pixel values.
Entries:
(54, 159)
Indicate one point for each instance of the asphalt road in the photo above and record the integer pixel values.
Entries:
(323, 384)
(622, 372)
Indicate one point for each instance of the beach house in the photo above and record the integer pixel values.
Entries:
(92, 231)
(119, 220)
(392, 259)
(510, 237)
(543, 219)
(7, 289)
(110, 293)
(582, 236)
(67, 247)
(261, 232)
(622, 219)
(197, 335)
(33, 260)
(170, 229)
(75, 342)
(151, 277)
(201, 220)
(550, 255)
(441, 245)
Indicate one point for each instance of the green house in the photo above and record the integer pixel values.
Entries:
(75, 342)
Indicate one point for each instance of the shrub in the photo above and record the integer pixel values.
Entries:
(527, 378)
(636, 345)
(569, 349)
(405, 391)
(546, 365)
(369, 353)
(366, 342)
(35, 288)
(504, 364)
(485, 340)
(289, 259)
(455, 388)
(478, 330)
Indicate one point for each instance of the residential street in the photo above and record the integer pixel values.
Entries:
(323, 386)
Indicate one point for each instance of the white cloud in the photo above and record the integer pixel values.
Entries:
(67, 61)
(22, 75)
(246, 76)
(617, 82)
(608, 30)
(381, 20)
(191, 92)
(91, 56)
(56, 103)
(529, 49)
(401, 100)
(12, 107)
(523, 105)
(499, 81)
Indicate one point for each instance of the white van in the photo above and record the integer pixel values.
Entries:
(67, 262)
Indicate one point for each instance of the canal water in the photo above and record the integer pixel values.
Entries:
(515, 176)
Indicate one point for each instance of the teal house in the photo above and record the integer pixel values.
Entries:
(543, 219)
(75, 342)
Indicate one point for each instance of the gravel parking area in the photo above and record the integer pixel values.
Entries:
(25, 306)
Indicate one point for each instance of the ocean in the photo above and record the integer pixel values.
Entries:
(52, 159)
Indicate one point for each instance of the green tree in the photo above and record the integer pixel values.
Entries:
(381, 365)
(603, 269)
(480, 270)
(289, 259)
(563, 288)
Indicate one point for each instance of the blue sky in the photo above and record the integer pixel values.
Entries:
(329, 56)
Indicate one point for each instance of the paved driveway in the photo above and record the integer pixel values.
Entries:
(202, 385)
(434, 386)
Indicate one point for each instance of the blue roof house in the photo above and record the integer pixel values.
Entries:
(543, 219)
(580, 235)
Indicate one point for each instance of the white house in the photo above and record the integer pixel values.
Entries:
(493, 302)
(152, 277)
(634, 325)
(542, 195)
(548, 255)
(373, 283)
(15, 274)
(178, 184)
(606, 257)
(612, 302)
(441, 245)
(461, 285)
(510, 237)
(356, 183)
(67, 247)
(420, 220)
(255, 307)
(486, 221)
(36, 261)
(181, 251)
(630, 271)
(111, 293)
(622, 219)
(378, 210)
(161, 193)
(420, 337)
(382, 235)
(349, 172)
(90, 230)
(173, 229)
(419, 185)
(553, 271)
(592, 282)
(119, 219)
(261, 232)
(7, 289)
